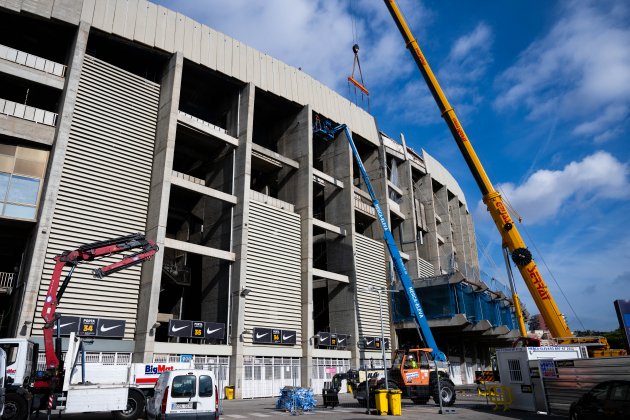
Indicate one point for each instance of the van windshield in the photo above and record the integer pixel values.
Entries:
(183, 386)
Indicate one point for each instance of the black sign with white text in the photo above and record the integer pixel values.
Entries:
(215, 330)
(179, 328)
(87, 327)
(111, 328)
(289, 337)
(67, 325)
(261, 335)
(274, 336)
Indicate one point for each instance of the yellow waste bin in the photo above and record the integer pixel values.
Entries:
(380, 397)
(349, 388)
(229, 392)
(394, 398)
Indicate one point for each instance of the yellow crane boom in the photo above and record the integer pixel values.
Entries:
(512, 240)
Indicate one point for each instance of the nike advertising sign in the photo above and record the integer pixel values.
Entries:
(179, 328)
(215, 330)
(111, 328)
(67, 325)
(332, 340)
(274, 336)
(261, 335)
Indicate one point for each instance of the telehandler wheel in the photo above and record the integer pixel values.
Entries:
(447, 393)
(135, 407)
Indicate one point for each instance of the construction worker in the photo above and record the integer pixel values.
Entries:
(411, 362)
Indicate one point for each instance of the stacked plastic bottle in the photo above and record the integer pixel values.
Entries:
(296, 399)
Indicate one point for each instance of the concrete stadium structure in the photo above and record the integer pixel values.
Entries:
(123, 116)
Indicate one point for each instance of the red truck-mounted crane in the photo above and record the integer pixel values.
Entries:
(145, 250)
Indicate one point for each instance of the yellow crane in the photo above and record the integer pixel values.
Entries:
(512, 239)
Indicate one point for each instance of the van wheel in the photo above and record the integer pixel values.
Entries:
(15, 407)
(135, 406)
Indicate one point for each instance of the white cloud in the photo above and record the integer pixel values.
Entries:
(580, 70)
(547, 192)
(479, 39)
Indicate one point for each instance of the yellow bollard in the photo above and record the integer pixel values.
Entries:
(229, 392)
(394, 398)
(380, 396)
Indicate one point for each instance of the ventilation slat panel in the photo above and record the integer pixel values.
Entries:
(104, 188)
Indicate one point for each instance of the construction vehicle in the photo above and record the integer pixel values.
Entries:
(421, 381)
(512, 240)
(74, 386)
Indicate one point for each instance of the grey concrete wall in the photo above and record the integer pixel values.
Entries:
(150, 280)
(53, 178)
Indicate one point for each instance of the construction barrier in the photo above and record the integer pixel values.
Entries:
(500, 395)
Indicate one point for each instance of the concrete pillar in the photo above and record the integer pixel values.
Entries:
(297, 143)
(337, 162)
(164, 149)
(409, 244)
(444, 229)
(242, 172)
(457, 224)
(429, 249)
(472, 258)
(53, 179)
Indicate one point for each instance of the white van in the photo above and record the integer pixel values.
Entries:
(185, 394)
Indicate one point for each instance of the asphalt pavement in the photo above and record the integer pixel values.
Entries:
(467, 406)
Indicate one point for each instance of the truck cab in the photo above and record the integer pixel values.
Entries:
(21, 360)
(185, 394)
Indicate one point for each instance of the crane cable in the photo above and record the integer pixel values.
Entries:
(360, 85)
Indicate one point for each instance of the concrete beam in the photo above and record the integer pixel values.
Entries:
(329, 275)
(182, 119)
(27, 130)
(327, 178)
(329, 227)
(210, 192)
(274, 155)
(199, 249)
(34, 75)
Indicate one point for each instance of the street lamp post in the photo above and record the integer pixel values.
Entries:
(380, 290)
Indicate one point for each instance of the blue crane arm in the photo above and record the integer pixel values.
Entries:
(399, 266)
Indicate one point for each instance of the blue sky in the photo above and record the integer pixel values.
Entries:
(542, 89)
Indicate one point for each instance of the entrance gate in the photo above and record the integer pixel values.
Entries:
(266, 376)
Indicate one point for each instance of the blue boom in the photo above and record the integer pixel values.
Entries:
(326, 130)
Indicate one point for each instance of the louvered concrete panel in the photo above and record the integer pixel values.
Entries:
(371, 271)
(108, 19)
(273, 269)
(227, 60)
(169, 32)
(236, 58)
(242, 74)
(120, 15)
(130, 22)
(189, 45)
(87, 11)
(100, 7)
(204, 40)
(220, 52)
(180, 32)
(196, 42)
(262, 63)
(250, 73)
(214, 40)
(160, 27)
(140, 27)
(104, 188)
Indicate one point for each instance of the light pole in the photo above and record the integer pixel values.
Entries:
(380, 290)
